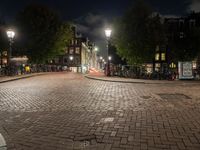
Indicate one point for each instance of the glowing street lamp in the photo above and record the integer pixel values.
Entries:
(108, 32)
(109, 58)
(71, 58)
(96, 49)
(11, 35)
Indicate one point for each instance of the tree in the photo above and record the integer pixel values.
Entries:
(42, 32)
(137, 34)
(62, 37)
(3, 37)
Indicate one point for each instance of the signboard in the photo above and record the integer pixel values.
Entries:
(185, 70)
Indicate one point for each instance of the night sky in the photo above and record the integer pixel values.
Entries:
(92, 16)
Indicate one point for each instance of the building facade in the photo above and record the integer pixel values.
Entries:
(178, 29)
(79, 54)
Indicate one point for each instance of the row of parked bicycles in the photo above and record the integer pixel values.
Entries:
(27, 69)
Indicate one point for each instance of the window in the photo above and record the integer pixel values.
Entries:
(76, 42)
(181, 35)
(157, 56)
(181, 23)
(71, 50)
(172, 65)
(192, 23)
(65, 60)
(66, 50)
(72, 42)
(77, 50)
(77, 61)
(163, 57)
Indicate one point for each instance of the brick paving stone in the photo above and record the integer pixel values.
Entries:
(55, 111)
(123, 140)
(113, 133)
(108, 147)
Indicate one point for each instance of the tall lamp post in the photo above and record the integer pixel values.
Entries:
(11, 35)
(108, 34)
(95, 61)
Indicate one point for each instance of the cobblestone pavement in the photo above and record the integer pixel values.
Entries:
(64, 111)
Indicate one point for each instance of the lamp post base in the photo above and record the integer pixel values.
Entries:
(108, 69)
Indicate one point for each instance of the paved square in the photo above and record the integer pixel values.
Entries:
(64, 111)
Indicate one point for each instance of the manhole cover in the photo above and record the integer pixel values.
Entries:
(176, 96)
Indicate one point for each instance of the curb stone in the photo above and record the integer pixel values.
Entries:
(94, 78)
(136, 82)
(21, 77)
(3, 145)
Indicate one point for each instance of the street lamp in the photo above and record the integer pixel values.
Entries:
(11, 35)
(109, 58)
(71, 58)
(108, 32)
(96, 49)
(108, 35)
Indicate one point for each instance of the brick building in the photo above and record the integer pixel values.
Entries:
(79, 54)
(179, 28)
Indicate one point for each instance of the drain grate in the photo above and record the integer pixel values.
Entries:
(176, 96)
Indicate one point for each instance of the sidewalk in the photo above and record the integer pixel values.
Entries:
(100, 76)
(13, 78)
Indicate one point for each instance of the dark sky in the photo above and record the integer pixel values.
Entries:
(92, 16)
(75, 8)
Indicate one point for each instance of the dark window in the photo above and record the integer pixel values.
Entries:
(65, 60)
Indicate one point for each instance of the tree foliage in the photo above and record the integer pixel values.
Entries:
(137, 33)
(3, 36)
(42, 33)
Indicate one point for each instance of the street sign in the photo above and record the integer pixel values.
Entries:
(185, 70)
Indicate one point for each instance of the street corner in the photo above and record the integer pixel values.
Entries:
(3, 145)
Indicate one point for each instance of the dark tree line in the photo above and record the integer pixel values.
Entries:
(40, 34)
(3, 36)
(140, 30)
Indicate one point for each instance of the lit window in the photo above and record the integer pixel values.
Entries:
(157, 65)
(163, 57)
(157, 56)
(194, 65)
(4, 53)
(71, 50)
(172, 65)
(4, 61)
(72, 42)
(77, 50)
